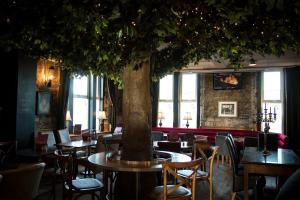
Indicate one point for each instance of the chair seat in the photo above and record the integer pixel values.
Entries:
(86, 184)
(186, 173)
(180, 193)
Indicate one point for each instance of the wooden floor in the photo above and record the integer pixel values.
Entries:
(222, 185)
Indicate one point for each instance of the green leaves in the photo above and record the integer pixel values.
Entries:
(106, 36)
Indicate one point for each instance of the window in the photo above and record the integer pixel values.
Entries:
(87, 99)
(188, 100)
(178, 99)
(165, 102)
(272, 98)
(80, 101)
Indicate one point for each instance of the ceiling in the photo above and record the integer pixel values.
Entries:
(268, 62)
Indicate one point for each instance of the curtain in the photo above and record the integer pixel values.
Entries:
(154, 99)
(63, 95)
(292, 106)
(111, 87)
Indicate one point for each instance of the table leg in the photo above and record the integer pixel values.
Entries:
(105, 180)
(246, 177)
(137, 185)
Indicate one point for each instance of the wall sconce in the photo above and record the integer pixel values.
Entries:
(101, 117)
(160, 116)
(187, 117)
(49, 75)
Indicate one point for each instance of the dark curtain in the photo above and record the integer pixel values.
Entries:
(111, 87)
(292, 106)
(154, 99)
(63, 95)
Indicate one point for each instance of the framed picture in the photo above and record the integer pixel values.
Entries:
(227, 81)
(43, 103)
(227, 109)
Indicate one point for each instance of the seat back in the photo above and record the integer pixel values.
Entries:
(8, 157)
(170, 168)
(207, 153)
(157, 135)
(173, 137)
(50, 140)
(188, 137)
(233, 156)
(21, 183)
(66, 166)
(250, 141)
(77, 129)
(272, 141)
(169, 146)
(63, 136)
(220, 141)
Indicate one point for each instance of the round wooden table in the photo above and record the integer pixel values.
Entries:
(103, 162)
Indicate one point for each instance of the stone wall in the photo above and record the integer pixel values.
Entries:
(246, 99)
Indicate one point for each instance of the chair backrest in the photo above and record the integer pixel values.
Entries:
(272, 141)
(188, 137)
(220, 141)
(173, 137)
(50, 140)
(8, 157)
(233, 157)
(157, 135)
(169, 146)
(77, 129)
(250, 141)
(66, 166)
(208, 154)
(223, 133)
(21, 183)
(63, 136)
(235, 148)
(170, 168)
(101, 145)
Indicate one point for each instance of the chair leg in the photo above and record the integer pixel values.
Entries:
(233, 195)
(210, 190)
(218, 157)
(222, 159)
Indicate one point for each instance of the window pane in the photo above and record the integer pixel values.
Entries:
(167, 109)
(80, 86)
(166, 88)
(276, 126)
(188, 107)
(80, 112)
(188, 87)
(272, 85)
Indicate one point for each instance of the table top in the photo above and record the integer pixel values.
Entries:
(283, 157)
(79, 143)
(102, 161)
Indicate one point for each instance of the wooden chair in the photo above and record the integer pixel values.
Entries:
(237, 171)
(71, 183)
(157, 135)
(21, 183)
(203, 174)
(223, 151)
(183, 188)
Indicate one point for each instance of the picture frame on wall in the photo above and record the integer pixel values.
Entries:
(227, 109)
(43, 103)
(227, 81)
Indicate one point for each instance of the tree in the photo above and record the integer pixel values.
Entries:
(147, 38)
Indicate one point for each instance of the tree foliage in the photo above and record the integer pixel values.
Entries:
(104, 36)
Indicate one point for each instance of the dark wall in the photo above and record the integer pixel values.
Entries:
(17, 104)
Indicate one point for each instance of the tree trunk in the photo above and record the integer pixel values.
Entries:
(136, 139)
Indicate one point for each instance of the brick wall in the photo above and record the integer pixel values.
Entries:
(246, 99)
